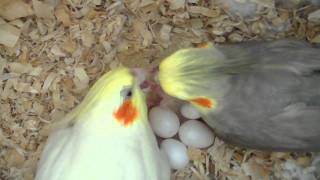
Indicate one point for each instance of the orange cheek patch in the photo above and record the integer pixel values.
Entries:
(204, 102)
(126, 114)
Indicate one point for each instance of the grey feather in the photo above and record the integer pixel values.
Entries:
(268, 95)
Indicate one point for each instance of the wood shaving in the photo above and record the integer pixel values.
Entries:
(13, 9)
(62, 14)
(81, 80)
(42, 9)
(52, 51)
(204, 11)
(176, 4)
(255, 170)
(48, 81)
(314, 17)
(9, 34)
(316, 39)
(19, 68)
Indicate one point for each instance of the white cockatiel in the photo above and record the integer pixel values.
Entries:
(107, 137)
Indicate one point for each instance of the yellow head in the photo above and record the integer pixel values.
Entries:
(190, 74)
(115, 104)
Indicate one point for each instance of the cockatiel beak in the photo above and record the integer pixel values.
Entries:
(107, 136)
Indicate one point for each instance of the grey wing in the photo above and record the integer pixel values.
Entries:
(261, 114)
(294, 55)
(301, 123)
(275, 104)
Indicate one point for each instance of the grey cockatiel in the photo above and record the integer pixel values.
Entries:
(262, 95)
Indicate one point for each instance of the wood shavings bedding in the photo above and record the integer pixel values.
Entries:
(51, 52)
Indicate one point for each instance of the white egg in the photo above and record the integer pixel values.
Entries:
(188, 111)
(196, 134)
(176, 153)
(164, 122)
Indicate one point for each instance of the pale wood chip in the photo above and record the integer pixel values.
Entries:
(7, 89)
(314, 17)
(196, 23)
(43, 29)
(63, 15)
(316, 39)
(13, 158)
(96, 2)
(122, 46)
(204, 11)
(107, 46)
(9, 35)
(56, 99)
(24, 87)
(42, 9)
(81, 79)
(141, 29)
(10, 143)
(50, 57)
(165, 32)
(13, 9)
(49, 36)
(48, 81)
(36, 71)
(3, 63)
(2, 21)
(88, 39)
(255, 170)
(278, 155)
(176, 4)
(55, 50)
(304, 161)
(114, 65)
(19, 68)
(69, 45)
(37, 108)
(31, 124)
(235, 37)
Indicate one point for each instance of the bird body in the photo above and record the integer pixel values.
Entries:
(261, 95)
(106, 137)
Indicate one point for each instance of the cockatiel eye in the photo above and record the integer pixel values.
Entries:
(126, 93)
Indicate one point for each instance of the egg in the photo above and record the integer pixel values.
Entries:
(176, 153)
(164, 122)
(188, 111)
(196, 134)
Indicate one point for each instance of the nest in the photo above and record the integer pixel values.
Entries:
(52, 51)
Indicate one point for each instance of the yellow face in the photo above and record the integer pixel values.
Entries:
(170, 75)
(114, 102)
(187, 73)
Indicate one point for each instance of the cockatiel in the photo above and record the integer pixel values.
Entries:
(260, 95)
(106, 137)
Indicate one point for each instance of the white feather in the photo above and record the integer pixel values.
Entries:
(78, 154)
